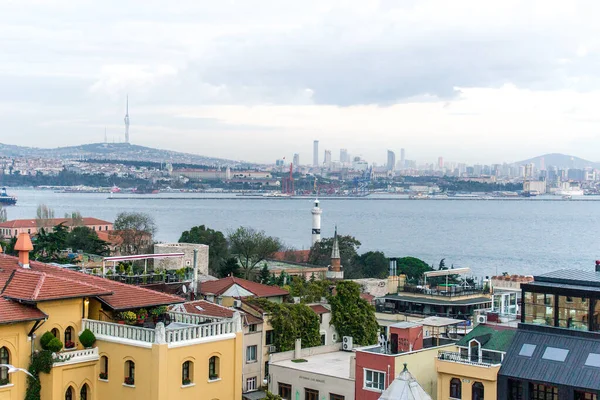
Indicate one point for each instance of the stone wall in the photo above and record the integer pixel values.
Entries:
(188, 258)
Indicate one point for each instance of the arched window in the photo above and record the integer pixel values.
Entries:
(55, 332)
(69, 338)
(477, 391)
(187, 373)
(103, 367)
(85, 392)
(455, 388)
(129, 372)
(4, 359)
(69, 393)
(213, 368)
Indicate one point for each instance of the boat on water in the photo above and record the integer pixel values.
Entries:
(567, 197)
(419, 196)
(276, 194)
(570, 192)
(115, 189)
(6, 199)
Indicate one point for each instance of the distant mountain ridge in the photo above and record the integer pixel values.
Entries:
(560, 161)
(112, 151)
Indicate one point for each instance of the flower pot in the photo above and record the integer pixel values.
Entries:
(121, 322)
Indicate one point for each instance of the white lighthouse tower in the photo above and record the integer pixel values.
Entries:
(316, 225)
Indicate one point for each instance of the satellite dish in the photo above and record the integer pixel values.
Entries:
(184, 289)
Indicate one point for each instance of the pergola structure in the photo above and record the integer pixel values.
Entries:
(144, 257)
(447, 272)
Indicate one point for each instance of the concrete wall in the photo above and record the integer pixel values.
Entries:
(188, 258)
(328, 330)
(254, 369)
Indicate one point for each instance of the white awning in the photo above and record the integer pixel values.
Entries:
(446, 272)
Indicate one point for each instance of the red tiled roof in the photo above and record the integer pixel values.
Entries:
(32, 223)
(204, 307)
(30, 285)
(11, 312)
(219, 287)
(319, 309)
(300, 256)
(118, 296)
(252, 319)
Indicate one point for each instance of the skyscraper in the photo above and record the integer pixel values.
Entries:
(402, 158)
(440, 163)
(316, 153)
(296, 161)
(127, 121)
(391, 160)
(344, 156)
(327, 160)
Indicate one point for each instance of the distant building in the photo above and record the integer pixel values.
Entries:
(13, 228)
(188, 259)
(296, 161)
(391, 160)
(344, 156)
(316, 153)
(327, 159)
(304, 271)
(440, 163)
(225, 291)
(402, 158)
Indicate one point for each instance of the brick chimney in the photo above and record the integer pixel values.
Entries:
(336, 262)
(24, 246)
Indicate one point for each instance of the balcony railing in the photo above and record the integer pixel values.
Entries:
(186, 318)
(452, 291)
(460, 358)
(174, 333)
(75, 356)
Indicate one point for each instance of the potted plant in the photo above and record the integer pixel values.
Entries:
(187, 381)
(129, 317)
(4, 382)
(69, 344)
(45, 339)
(87, 338)
(103, 375)
(129, 380)
(157, 312)
(54, 345)
(142, 315)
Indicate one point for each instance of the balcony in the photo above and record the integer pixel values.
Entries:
(444, 291)
(75, 356)
(187, 329)
(474, 361)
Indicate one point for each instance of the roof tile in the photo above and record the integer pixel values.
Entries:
(220, 286)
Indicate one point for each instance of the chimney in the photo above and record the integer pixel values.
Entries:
(298, 349)
(597, 265)
(24, 246)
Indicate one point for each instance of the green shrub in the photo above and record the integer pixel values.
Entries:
(55, 345)
(45, 339)
(87, 338)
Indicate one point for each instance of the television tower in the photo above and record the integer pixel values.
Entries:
(316, 225)
(127, 121)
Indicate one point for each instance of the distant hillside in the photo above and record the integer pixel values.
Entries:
(112, 151)
(560, 161)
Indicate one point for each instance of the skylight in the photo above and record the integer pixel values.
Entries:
(527, 349)
(555, 354)
(593, 360)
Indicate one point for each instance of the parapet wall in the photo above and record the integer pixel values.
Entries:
(188, 258)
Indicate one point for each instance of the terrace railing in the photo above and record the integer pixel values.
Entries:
(460, 358)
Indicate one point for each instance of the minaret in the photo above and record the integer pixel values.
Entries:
(335, 268)
(316, 225)
(127, 121)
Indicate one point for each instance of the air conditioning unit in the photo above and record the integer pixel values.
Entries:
(347, 343)
(237, 303)
(481, 319)
(271, 349)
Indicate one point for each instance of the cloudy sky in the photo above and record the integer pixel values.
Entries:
(257, 80)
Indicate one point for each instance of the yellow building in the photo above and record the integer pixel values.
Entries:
(171, 355)
(471, 371)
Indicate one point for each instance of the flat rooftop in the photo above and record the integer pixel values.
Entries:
(279, 265)
(441, 300)
(335, 364)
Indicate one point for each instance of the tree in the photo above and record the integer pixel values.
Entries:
(75, 217)
(85, 239)
(372, 264)
(442, 265)
(49, 242)
(43, 216)
(320, 252)
(353, 316)
(412, 267)
(3, 216)
(217, 250)
(251, 247)
(273, 396)
(230, 267)
(136, 231)
(264, 276)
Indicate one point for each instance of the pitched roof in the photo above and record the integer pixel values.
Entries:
(209, 309)
(118, 296)
(11, 312)
(404, 387)
(319, 309)
(300, 256)
(490, 337)
(221, 286)
(35, 286)
(32, 223)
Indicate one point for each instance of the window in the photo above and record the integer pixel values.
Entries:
(555, 354)
(186, 373)
(250, 384)
(455, 388)
(374, 380)
(542, 392)
(252, 328)
(269, 338)
(106, 228)
(129, 372)
(103, 368)
(593, 360)
(477, 391)
(285, 391)
(251, 354)
(323, 336)
(69, 393)
(266, 370)
(213, 368)
(84, 392)
(573, 313)
(311, 394)
(69, 338)
(55, 333)
(99, 228)
(515, 390)
(335, 396)
(4, 359)
(539, 308)
(580, 395)
(527, 350)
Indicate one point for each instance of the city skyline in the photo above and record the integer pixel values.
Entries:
(333, 73)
